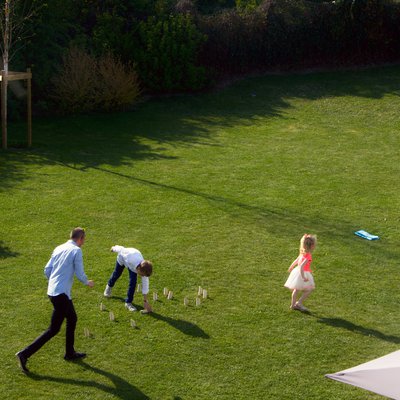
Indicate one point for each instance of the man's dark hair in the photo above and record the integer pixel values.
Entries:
(77, 233)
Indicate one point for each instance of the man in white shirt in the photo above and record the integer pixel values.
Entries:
(65, 262)
(132, 259)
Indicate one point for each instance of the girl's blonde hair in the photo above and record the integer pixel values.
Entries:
(307, 243)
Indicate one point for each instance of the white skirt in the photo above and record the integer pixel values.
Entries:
(295, 281)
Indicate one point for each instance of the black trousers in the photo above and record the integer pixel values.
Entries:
(63, 309)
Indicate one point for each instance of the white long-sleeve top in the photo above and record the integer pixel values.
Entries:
(131, 258)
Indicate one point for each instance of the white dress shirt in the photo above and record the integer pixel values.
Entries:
(131, 258)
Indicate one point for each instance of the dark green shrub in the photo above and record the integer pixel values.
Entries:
(247, 5)
(186, 7)
(166, 54)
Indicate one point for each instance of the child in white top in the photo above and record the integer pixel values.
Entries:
(301, 278)
(132, 259)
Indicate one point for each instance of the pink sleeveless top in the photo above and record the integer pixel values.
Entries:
(308, 257)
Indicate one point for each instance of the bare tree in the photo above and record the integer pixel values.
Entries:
(13, 17)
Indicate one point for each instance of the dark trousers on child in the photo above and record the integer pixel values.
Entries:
(63, 309)
(119, 269)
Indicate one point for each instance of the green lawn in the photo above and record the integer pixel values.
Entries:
(215, 189)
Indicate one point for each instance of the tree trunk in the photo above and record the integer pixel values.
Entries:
(4, 84)
(4, 73)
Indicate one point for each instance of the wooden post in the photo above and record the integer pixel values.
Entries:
(4, 109)
(29, 106)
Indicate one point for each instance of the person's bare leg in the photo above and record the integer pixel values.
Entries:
(294, 298)
(303, 297)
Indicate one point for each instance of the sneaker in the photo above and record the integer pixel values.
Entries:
(130, 307)
(107, 291)
(22, 360)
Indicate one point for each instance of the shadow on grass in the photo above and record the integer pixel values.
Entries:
(120, 298)
(116, 139)
(119, 388)
(81, 143)
(272, 218)
(350, 326)
(186, 327)
(6, 252)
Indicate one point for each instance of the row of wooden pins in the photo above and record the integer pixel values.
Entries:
(200, 293)
(111, 314)
(132, 322)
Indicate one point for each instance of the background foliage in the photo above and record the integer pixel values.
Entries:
(166, 52)
(86, 83)
(187, 45)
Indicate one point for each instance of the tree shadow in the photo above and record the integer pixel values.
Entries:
(102, 142)
(120, 387)
(350, 326)
(186, 327)
(272, 218)
(117, 139)
(6, 252)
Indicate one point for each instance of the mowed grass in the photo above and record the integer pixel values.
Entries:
(215, 189)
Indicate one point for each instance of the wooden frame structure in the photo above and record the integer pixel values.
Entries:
(4, 79)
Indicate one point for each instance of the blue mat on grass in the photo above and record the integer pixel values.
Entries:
(366, 235)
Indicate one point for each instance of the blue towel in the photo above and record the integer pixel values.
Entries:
(366, 235)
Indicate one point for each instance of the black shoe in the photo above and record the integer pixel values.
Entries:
(22, 360)
(74, 356)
